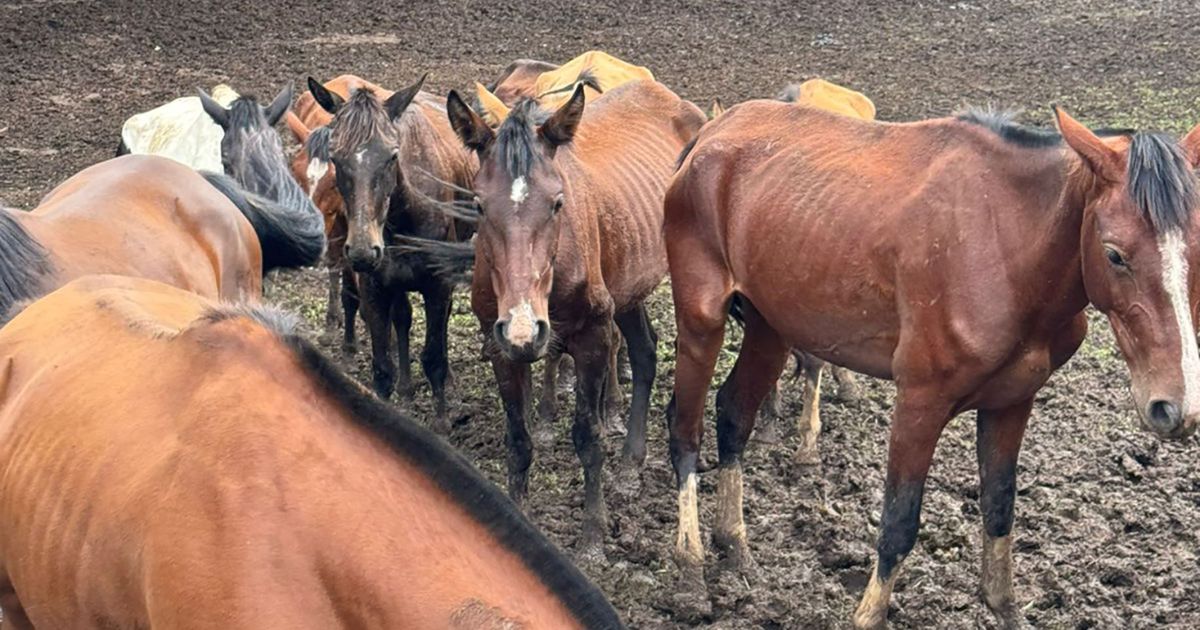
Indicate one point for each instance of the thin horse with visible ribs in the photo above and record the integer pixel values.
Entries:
(209, 468)
(954, 256)
(396, 161)
(570, 240)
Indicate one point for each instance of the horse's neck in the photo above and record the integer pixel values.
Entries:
(1053, 235)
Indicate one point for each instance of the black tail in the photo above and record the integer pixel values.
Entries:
(453, 260)
(289, 237)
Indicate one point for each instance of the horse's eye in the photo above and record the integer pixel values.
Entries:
(558, 203)
(1115, 258)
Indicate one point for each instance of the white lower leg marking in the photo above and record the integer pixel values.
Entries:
(688, 540)
(1172, 247)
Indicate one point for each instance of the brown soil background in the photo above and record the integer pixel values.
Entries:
(1107, 517)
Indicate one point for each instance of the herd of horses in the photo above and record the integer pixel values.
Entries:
(173, 453)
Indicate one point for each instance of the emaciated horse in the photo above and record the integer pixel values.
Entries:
(570, 240)
(394, 164)
(149, 217)
(168, 462)
(955, 256)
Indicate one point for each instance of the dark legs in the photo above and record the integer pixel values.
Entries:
(998, 442)
(513, 380)
(377, 312)
(333, 316)
(592, 351)
(350, 303)
(759, 363)
(643, 358)
(917, 423)
(434, 356)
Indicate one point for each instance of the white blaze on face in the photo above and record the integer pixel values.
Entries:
(315, 171)
(1173, 248)
(521, 324)
(520, 190)
(359, 156)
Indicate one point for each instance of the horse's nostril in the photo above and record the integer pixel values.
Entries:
(543, 329)
(500, 330)
(377, 251)
(1164, 416)
(346, 250)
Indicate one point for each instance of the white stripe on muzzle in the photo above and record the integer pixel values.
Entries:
(1173, 249)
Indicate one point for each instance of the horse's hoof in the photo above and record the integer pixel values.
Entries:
(441, 424)
(544, 436)
(591, 558)
(405, 391)
(807, 456)
(613, 426)
(768, 433)
(628, 482)
(690, 601)
(870, 618)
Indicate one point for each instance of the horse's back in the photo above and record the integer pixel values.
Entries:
(154, 218)
(195, 473)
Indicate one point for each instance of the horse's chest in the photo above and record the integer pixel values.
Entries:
(1018, 379)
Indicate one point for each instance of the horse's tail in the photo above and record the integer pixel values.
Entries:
(290, 237)
(452, 260)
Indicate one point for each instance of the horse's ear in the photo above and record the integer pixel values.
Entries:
(279, 106)
(1101, 158)
(329, 101)
(494, 109)
(398, 102)
(474, 132)
(215, 110)
(1191, 145)
(297, 127)
(560, 128)
(717, 108)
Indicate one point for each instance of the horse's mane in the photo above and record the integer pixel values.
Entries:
(260, 165)
(464, 484)
(359, 120)
(516, 140)
(24, 265)
(1160, 178)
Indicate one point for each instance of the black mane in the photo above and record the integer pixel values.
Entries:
(257, 161)
(317, 145)
(516, 140)
(1002, 122)
(461, 481)
(1161, 181)
(24, 265)
(359, 120)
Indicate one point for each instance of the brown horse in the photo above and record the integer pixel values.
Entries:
(144, 216)
(395, 166)
(169, 462)
(312, 169)
(954, 256)
(570, 240)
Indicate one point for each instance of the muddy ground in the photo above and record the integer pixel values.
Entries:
(1107, 517)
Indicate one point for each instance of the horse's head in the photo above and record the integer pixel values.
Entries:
(519, 189)
(311, 167)
(250, 140)
(1139, 249)
(364, 148)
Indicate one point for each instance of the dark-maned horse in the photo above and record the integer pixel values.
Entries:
(570, 240)
(519, 80)
(312, 168)
(252, 154)
(955, 256)
(149, 217)
(209, 468)
(393, 165)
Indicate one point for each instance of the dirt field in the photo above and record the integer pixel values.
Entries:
(1108, 518)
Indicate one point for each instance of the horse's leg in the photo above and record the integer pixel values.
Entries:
(592, 351)
(614, 402)
(376, 311)
(514, 381)
(333, 316)
(700, 310)
(435, 359)
(998, 441)
(758, 366)
(350, 304)
(548, 401)
(809, 425)
(12, 613)
(402, 320)
(849, 389)
(643, 359)
(916, 425)
(624, 366)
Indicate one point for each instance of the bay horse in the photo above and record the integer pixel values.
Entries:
(149, 217)
(172, 462)
(311, 167)
(954, 256)
(394, 164)
(252, 154)
(570, 241)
